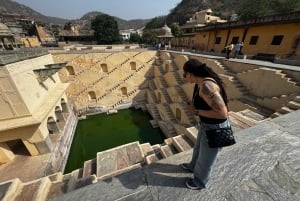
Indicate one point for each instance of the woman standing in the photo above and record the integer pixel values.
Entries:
(209, 101)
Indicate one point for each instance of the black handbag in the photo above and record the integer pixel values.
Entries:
(220, 137)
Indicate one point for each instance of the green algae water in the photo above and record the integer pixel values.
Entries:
(101, 132)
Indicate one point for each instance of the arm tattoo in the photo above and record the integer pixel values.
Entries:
(212, 92)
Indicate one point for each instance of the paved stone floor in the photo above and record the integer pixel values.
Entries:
(24, 167)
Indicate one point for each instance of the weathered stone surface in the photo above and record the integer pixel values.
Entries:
(111, 189)
(264, 165)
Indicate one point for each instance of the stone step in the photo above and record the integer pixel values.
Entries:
(297, 99)
(10, 189)
(239, 121)
(192, 133)
(56, 177)
(89, 167)
(146, 149)
(285, 110)
(118, 158)
(256, 117)
(153, 157)
(57, 188)
(85, 181)
(294, 105)
(72, 179)
(275, 114)
(36, 190)
(182, 143)
(167, 150)
(154, 123)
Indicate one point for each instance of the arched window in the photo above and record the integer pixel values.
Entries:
(159, 97)
(64, 105)
(178, 114)
(104, 68)
(133, 65)
(58, 114)
(70, 70)
(124, 91)
(52, 126)
(92, 95)
(167, 68)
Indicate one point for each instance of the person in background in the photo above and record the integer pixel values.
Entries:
(209, 102)
(238, 48)
(229, 48)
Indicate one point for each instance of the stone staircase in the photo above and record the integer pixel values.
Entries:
(289, 107)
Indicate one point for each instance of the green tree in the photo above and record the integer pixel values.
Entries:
(285, 6)
(106, 29)
(175, 29)
(29, 28)
(150, 36)
(135, 38)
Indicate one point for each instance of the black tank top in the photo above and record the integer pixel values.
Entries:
(200, 104)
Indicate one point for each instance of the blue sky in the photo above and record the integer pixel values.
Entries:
(124, 9)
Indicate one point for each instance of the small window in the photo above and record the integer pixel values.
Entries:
(218, 40)
(277, 40)
(253, 40)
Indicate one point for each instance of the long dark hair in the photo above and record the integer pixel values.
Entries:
(199, 69)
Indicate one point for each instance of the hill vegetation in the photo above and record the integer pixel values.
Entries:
(245, 9)
(225, 8)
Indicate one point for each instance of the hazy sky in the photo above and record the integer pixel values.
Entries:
(124, 9)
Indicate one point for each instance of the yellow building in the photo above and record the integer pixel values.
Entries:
(277, 35)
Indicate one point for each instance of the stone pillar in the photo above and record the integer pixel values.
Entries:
(31, 148)
(6, 154)
(45, 146)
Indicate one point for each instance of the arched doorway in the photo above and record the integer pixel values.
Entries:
(52, 126)
(58, 114)
(133, 65)
(159, 97)
(70, 70)
(64, 106)
(167, 68)
(104, 68)
(178, 114)
(92, 95)
(124, 91)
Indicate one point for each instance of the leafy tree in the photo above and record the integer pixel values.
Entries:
(106, 29)
(150, 36)
(175, 29)
(285, 6)
(29, 28)
(55, 30)
(134, 38)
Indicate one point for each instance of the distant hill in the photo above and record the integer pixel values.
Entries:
(9, 7)
(244, 8)
(85, 20)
